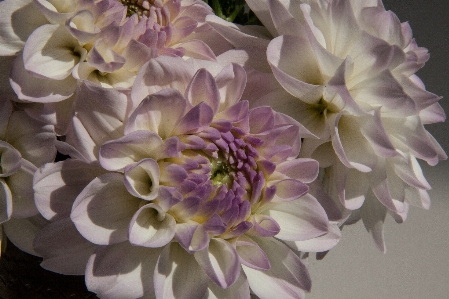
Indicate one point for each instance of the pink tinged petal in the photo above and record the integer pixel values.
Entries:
(263, 226)
(57, 185)
(63, 249)
(33, 139)
(121, 271)
(10, 159)
(238, 35)
(172, 174)
(82, 26)
(289, 189)
(115, 155)
(142, 179)
(319, 244)
(299, 220)
(409, 133)
(372, 128)
(231, 82)
(186, 208)
(284, 22)
(351, 186)
(102, 111)
(56, 11)
(203, 88)
(380, 186)
(329, 205)
(261, 119)
(432, 114)
(287, 278)
(42, 90)
(301, 169)
(301, 79)
(161, 73)
(158, 113)
(262, 11)
(351, 147)
(5, 202)
(411, 173)
(197, 49)
(103, 210)
(105, 59)
(251, 255)
(422, 98)
(175, 265)
(240, 289)
(52, 52)
(136, 55)
(78, 138)
(192, 236)
(337, 92)
(183, 27)
(21, 186)
(198, 118)
(373, 215)
(151, 227)
(220, 262)
(21, 232)
(385, 91)
(18, 19)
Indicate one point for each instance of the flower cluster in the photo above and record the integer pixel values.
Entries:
(198, 158)
(347, 71)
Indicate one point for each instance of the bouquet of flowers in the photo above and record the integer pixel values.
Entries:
(165, 151)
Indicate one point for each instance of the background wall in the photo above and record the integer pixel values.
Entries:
(416, 264)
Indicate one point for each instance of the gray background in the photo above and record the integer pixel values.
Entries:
(416, 264)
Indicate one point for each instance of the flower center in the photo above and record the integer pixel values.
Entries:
(148, 8)
(220, 173)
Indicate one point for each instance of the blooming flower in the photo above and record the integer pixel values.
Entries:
(199, 197)
(25, 145)
(105, 42)
(348, 67)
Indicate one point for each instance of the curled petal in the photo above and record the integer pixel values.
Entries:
(251, 255)
(151, 227)
(5, 202)
(142, 179)
(264, 226)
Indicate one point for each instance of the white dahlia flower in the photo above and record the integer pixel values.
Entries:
(194, 195)
(60, 43)
(349, 69)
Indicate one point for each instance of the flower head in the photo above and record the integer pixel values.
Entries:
(197, 183)
(348, 68)
(105, 42)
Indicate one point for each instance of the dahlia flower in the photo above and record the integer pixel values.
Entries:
(58, 44)
(199, 196)
(349, 70)
(25, 145)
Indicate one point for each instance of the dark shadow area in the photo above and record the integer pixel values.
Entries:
(21, 276)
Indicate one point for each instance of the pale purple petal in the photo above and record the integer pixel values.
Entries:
(103, 210)
(5, 202)
(319, 244)
(198, 118)
(287, 277)
(115, 155)
(220, 261)
(240, 289)
(304, 170)
(289, 189)
(192, 236)
(158, 113)
(300, 219)
(251, 255)
(203, 88)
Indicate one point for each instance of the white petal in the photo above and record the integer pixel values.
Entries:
(178, 276)
(103, 210)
